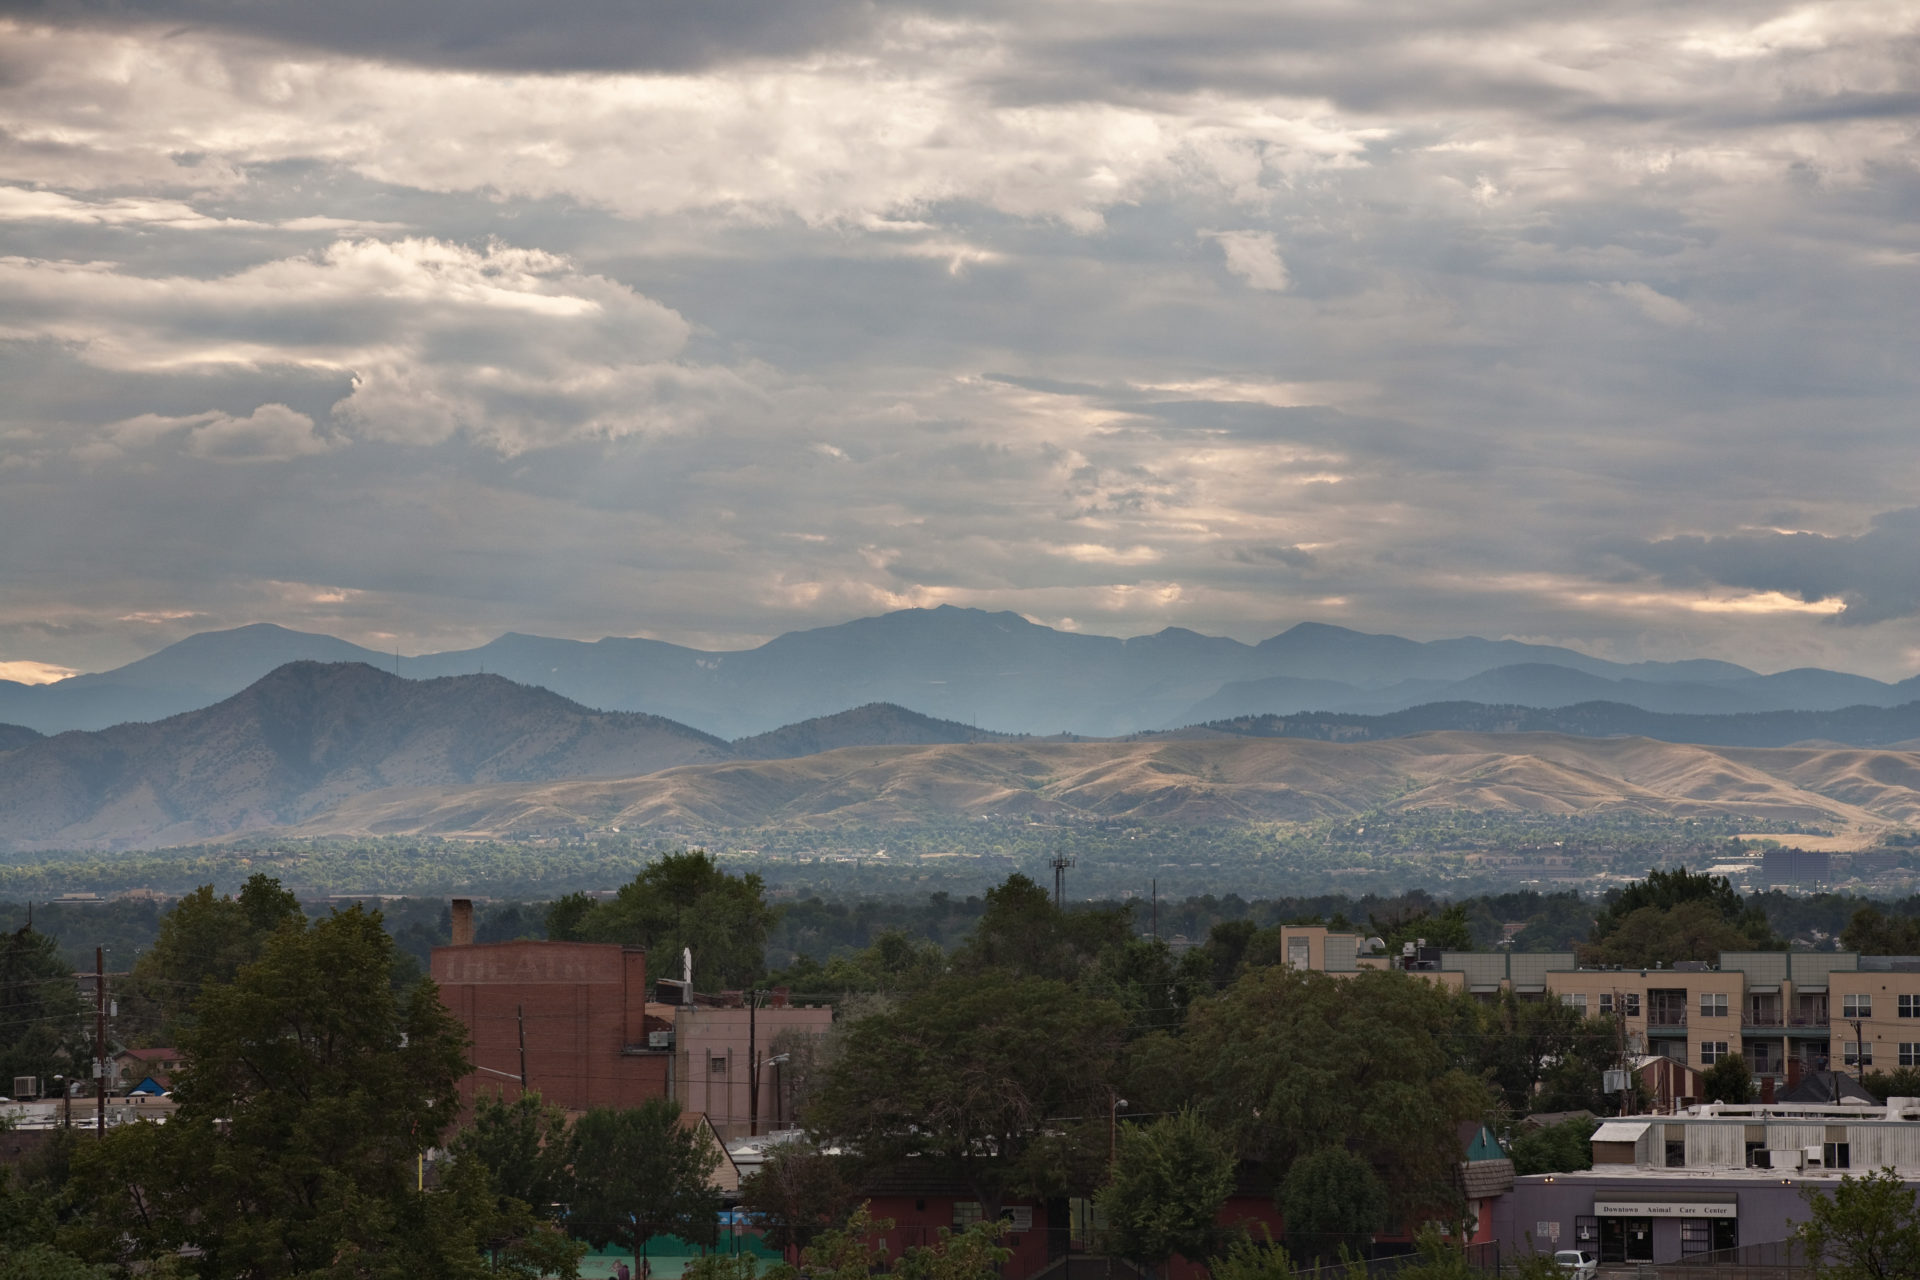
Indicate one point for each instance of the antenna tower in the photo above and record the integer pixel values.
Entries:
(1060, 864)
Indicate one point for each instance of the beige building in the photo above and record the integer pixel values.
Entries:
(729, 1062)
(1786, 1012)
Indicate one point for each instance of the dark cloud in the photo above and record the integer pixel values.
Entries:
(501, 35)
(1876, 573)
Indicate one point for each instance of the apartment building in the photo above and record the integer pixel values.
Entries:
(1787, 1013)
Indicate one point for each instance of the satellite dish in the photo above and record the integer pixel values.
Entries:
(1376, 944)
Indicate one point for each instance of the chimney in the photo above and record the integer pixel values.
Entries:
(463, 922)
(1793, 1073)
(1766, 1090)
(779, 1000)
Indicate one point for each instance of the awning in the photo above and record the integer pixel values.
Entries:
(1621, 1130)
(1764, 991)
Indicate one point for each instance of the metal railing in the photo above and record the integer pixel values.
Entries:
(1777, 1260)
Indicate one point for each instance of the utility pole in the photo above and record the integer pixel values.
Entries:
(100, 1040)
(1859, 1058)
(1619, 1023)
(1060, 864)
(520, 1017)
(753, 1065)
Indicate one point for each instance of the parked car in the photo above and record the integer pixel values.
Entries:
(1578, 1264)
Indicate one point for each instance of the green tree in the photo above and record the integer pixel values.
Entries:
(1022, 932)
(892, 962)
(978, 1075)
(1517, 1044)
(1557, 1148)
(1247, 1259)
(1331, 1199)
(799, 1190)
(1669, 890)
(639, 1173)
(1282, 1059)
(1727, 1080)
(1169, 1180)
(1868, 1229)
(1661, 936)
(971, 1254)
(41, 1026)
(1893, 1082)
(1873, 932)
(310, 1089)
(204, 940)
(855, 1251)
(682, 901)
(520, 1145)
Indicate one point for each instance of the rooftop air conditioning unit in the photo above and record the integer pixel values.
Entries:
(659, 1039)
(1816, 1154)
(1792, 1158)
(26, 1087)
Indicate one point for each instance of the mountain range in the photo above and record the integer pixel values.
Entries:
(310, 735)
(346, 748)
(997, 671)
(1170, 782)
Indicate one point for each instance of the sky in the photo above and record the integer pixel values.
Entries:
(416, 322)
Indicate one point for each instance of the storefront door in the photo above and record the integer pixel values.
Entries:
(1626, 1239)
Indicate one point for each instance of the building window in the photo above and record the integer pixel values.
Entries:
(1711, 1051)
(1297, 953)
(1856, 1006)
(966, 1212)
(1839, 1155)
(1606, 1003)
(1909, 1054)
(1633, 1004)
(717, 1065)
(1577, 1000)
(1856, 1054)
(1910, 1006)
(1713, 1005)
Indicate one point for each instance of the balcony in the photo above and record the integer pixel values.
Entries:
(1765, 1021)
(1666, 1022)
(1808, 1025)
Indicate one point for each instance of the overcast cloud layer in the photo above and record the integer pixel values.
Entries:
(418, 322)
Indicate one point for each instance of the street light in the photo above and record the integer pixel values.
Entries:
(776, 1060)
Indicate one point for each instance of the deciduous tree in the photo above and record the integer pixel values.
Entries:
(1868, 1229)
(638, 1173)
(684, 900)
(1727, 1080)
(1284, 1059)
(1001, 1081)
(799, 1191)
(310, 1089)
(41, 1031)
(1330, 1199)
(1169, 1180)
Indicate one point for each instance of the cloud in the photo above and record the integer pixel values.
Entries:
(1254, 256)
(1876, 573)
(1656, 306)
(509, 347)
(649, 35)
(271, 433)
(706, 321)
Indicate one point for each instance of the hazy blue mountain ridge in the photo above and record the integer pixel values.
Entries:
(991, 670)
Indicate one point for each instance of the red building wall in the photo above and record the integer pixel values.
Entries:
(584, 1011)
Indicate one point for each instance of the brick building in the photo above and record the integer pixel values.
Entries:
(581, 1005)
